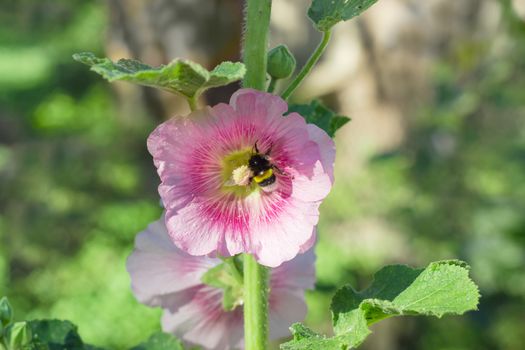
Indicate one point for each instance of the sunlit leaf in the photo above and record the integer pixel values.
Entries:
(443, 288)
(327, 13)
(179, 76)
(305, 338)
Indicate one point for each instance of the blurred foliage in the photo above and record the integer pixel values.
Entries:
(77, 184)
(455, 188)
(75, 181)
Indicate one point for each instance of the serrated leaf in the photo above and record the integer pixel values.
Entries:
(327, 13)
(182, 77)
(442, 288)
(224, 74)
(160, 341)
(320, 115)
(305, 338)
(55, 335)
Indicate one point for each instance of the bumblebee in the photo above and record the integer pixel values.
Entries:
(262, 169)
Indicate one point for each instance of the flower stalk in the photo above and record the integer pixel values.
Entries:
(308, 66)
(255, 304)
(272, 85)
(257, 25)
(192, 102)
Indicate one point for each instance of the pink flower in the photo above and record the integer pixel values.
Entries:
(165, 276)
(218, 202)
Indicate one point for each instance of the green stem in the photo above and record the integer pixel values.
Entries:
(193, 103)
(308, 66)
(255, 276)
(273, 84)
(255, 304)
(256, 43)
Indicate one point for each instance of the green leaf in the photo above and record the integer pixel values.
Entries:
(55, 335)
(327, 13)
(444, 287)
(160, 341)
(6, 312)
(45, 335)
(182, 77)
(320, 115)
(227, 277)
(305, 338)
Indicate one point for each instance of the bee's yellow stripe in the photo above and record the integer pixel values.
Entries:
(267, 174)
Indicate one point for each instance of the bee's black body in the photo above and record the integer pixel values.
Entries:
(262, 169)
(258, 164)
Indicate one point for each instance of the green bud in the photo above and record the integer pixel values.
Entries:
(18, 336)
(6, 312)
(281, 63)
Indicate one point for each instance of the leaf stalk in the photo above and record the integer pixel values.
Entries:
(308, 65)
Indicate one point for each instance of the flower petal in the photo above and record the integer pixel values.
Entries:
(288, 283)
(326, 147)
(285, 309)
(156, 263)
(204, 322)
(162, 275)
(298, 273)
(282, 238)
(258, 105)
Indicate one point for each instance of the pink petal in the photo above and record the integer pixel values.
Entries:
(285, 309)
(309, 243)
(282, 238)
(288, 283)
(156, 263)
(254, 104)
(326, 147)
(162, 275)
(204, 322)
(298, 273)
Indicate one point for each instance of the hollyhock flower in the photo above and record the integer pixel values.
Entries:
(243, 178)
(163, 275)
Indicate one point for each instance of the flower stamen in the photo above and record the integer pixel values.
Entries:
(241, 175)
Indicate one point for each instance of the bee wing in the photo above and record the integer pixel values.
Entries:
(270, 188)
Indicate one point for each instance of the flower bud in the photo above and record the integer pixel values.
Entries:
(19, 336)
(281, 63)
(6, 312)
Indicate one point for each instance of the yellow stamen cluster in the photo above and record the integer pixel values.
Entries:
(241, 175)
(236, 174)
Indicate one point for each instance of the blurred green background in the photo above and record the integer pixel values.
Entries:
(77, 183)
